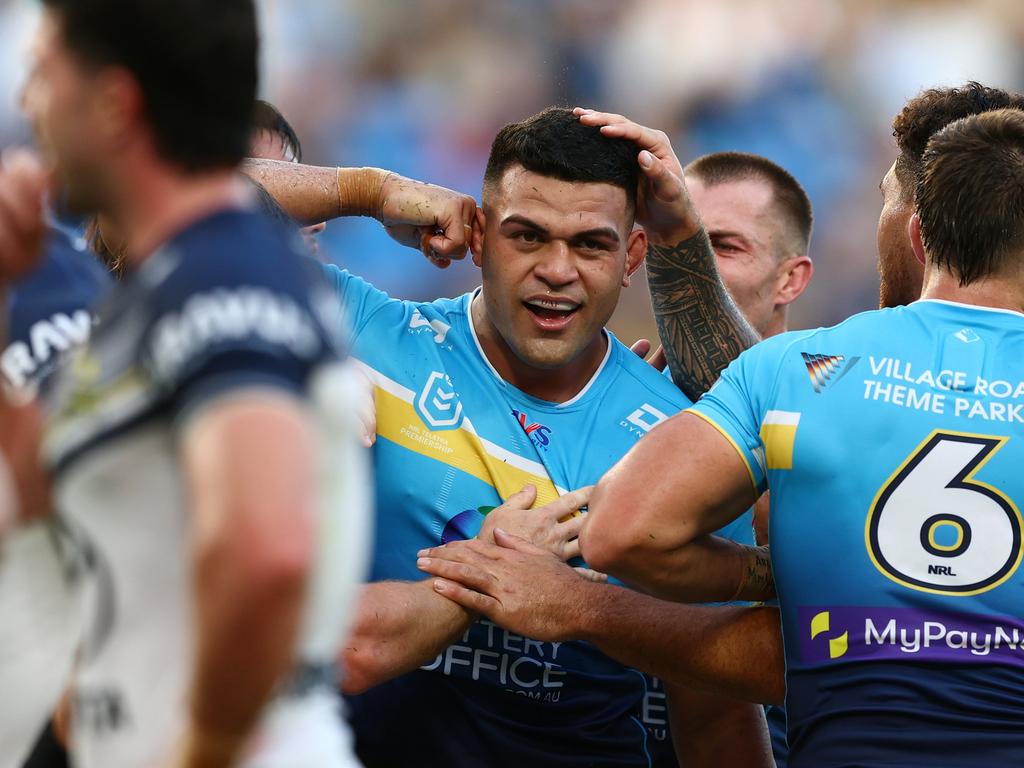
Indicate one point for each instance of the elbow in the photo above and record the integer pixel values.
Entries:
(266, 559)
(361, 667)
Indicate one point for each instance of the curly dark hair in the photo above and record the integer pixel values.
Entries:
(931, 111)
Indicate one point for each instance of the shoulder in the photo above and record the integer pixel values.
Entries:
(640, 376)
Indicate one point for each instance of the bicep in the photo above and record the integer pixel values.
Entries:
(248, 458)
(681, 481)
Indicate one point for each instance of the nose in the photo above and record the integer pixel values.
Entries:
(557, 266)
(315, 229)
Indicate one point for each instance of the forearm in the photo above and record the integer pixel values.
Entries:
(26, 485)
(248, 620)
(311, 194)
(399, 626)
(711, 731)
(724, 650)
(700, 326)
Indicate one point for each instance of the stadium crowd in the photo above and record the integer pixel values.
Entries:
(255, 511)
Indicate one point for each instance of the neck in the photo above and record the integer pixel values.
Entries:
(779, 323)
(556, 385)
(995, 292)
(162, 202)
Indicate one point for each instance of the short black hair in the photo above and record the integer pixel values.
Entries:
(789, 195)
(934, 109)
(268, 118)
(555, 143)
(970, 194)
(195, 61)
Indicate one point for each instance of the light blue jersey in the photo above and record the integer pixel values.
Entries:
(453, 439)
(893, 446)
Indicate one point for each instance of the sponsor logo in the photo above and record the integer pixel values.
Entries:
(825, 370)
(438, 403)
(420, 324)
(464, 525)
(539, 434)
(23, 361)
(857, 633)
(643, 420)
(967, 336)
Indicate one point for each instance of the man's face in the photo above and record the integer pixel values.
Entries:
(554, 259)
(267, 145)
(61, 99)
(748, 238)
(902, 274)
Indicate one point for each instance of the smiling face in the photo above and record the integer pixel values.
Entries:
(554, 255)
(748, 237)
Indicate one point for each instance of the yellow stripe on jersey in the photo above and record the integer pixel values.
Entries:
(727, 436)
(778, 433)
(460, 448)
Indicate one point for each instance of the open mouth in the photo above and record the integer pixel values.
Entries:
(552, 314)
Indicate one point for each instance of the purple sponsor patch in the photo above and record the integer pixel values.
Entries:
(851, 633)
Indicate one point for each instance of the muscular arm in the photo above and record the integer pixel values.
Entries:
(398, 627)
(311, 194)
(700, 326)
(714, 731)
(716, 650)
(252, 547)
(651, 517)
(733, 651)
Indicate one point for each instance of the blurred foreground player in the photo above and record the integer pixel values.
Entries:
(915, 660)
(181, 442)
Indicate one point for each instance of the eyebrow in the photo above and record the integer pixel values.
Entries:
(727, 233)
(605, 232)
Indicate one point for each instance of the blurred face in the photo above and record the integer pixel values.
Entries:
(901, 273)
(63, 101)
(267, 145)
(555, 256)
(743, 224)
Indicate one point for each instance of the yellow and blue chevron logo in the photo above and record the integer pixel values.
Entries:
(822, 369)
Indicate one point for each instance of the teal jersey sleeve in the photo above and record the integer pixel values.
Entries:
(738, 408)
(359, 299)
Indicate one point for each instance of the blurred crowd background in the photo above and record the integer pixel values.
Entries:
(422, 86)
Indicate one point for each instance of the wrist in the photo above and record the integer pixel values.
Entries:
(361, 191)
(673, 236)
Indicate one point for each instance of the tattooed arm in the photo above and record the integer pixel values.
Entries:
(701, 328)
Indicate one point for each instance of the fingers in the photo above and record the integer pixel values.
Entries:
(522, 499)
(619, 127)
(658, 360)
(468, 551)
(666, 185)
(456, 225)
(427, 248)
(571, 550)
(641, 347)
(568, 533)
(505, 539)
(469, 575)
(467, 598)
(595, 576)
(568, 504)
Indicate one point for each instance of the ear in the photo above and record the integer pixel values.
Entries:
(636, 250)
(476, 241)
(119, 106)
(914, 232)
(794, 276)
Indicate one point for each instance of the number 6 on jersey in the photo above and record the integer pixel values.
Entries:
(935, 529)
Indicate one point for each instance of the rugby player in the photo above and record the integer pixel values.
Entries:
(516, 383)
(207, 436)
(757, 214)
(918, 465)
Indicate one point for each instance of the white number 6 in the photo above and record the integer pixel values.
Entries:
(933, 493)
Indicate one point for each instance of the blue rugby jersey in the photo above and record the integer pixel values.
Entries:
(49, 311)
(453, 440)
(892, 446)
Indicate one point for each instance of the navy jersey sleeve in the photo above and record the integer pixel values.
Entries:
(738, 404)
(241, 309)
